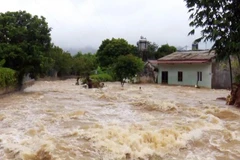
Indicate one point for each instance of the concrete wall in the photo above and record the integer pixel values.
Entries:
(221, 76)
(148, 74)
(189, 74)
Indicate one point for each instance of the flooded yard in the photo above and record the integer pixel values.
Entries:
(57, 120)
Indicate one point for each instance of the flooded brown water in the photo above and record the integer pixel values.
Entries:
(60, 121)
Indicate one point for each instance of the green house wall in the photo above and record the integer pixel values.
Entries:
(189, 74)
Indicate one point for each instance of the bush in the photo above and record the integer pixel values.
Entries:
(237, 79)
(7, 77)
(99, 70)
(104, 77)
(94, 81)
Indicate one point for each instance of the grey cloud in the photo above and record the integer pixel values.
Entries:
(83, 23)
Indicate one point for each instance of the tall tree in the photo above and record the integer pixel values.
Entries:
(165, 50)
(62, 61)
(110, 50)
(152, 50)
(23, 40)
(220, 23)
(83, 64)
(127, 67)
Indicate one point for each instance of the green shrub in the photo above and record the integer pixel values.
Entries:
(237, 79)
(7, 77)
(84, 80)
(99, 70)
(104, 77)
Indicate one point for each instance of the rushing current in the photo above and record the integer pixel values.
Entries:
(57, 120)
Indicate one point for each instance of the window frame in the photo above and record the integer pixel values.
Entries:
(199, 76)
(180, 76)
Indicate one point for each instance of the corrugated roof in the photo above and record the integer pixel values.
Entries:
(189, 56)
(183, 62)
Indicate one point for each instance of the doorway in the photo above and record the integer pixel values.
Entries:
(165, 77)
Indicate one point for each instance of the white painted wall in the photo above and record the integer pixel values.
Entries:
(189, 74)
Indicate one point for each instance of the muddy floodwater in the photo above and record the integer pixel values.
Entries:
(58, 120)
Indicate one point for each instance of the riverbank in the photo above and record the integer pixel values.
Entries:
(9, 90)
(29, 82)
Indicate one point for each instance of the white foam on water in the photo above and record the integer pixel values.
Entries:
(58, 120)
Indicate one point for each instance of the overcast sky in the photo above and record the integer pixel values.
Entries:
(83, 23)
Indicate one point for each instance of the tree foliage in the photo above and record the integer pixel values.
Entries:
(110, 50)
(152, 50)
(220, 23)
(2, 62)
(7, 77)
(62, 61)
(23, 40)
(127, 67)
(56, 61)
(83, 64)
(165, 50)
(104, 77)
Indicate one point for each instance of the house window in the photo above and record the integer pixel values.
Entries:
(199, 76)
(180, 75)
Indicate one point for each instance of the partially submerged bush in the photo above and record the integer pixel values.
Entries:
(104, 77)
(7, 77)
(84, 80)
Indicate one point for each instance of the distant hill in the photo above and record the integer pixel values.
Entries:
(74, 51)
